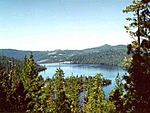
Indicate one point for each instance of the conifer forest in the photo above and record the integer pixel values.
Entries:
(24, 90)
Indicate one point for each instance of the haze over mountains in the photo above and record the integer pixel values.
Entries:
(106, 55)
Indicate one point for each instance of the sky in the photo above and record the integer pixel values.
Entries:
(62, 24)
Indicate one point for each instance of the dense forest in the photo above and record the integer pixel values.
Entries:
(5, 62)
(97, 55)
(101, 55)
(24, 90)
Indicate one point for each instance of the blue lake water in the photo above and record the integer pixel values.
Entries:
(109, 72)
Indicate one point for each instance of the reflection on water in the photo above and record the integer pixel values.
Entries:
(109, 72)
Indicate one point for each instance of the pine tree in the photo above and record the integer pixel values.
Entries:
(11, 89)
(48, 104)
(116, 96)
(95, 96)
(72, 91)
(33, 85)
(137, 97)
(62, 101)
(3, 89)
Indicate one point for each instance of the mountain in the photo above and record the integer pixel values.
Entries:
(19, 54)
(6, 62)
(106, 55)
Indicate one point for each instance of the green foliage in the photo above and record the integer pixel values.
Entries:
(49, 102)
(33, 85)
(116, 96)
(12, 95)
(62, 101)
(72, 89)
(137, 81)
(95, 95)
(101, 55)
(98, 55)
(6, 62)
(23, 90)
(136, 98)
(19, 54)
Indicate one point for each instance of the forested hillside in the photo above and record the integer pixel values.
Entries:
(7, 62)
(97, 55)
(20, 54)
(101, 55)
(26, 91)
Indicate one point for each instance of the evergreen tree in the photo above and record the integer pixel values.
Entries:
(95, 96)
(116, 96)
(48, 104)
(33, 85)
(137, 86)
(72, 90)
(12, 93)
(3, 89)
(62, 101)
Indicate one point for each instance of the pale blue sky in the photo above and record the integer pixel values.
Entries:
(61, 24)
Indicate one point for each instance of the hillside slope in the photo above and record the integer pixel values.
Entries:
(106, 54)
(20, 54)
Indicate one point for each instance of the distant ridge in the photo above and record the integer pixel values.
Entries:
(106, 55)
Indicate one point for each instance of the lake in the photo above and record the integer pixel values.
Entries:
(109, 72)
